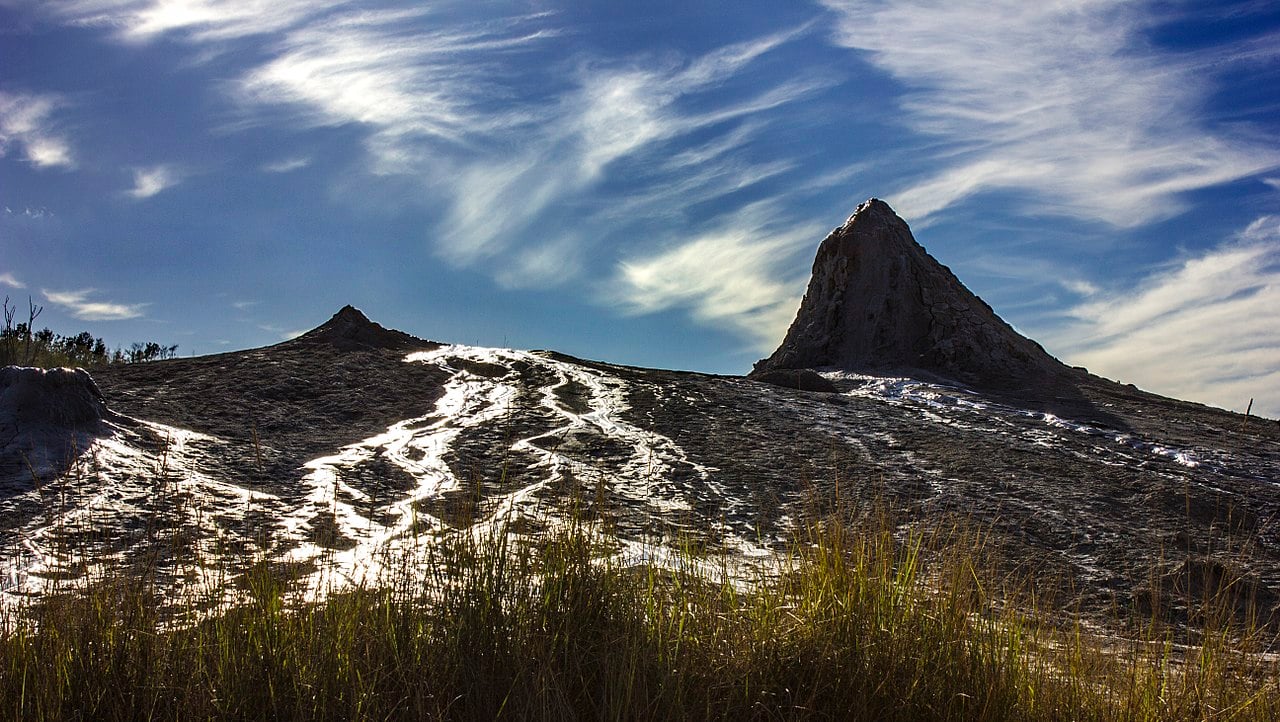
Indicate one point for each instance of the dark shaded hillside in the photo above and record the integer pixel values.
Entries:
(354, 439)
(309, 395)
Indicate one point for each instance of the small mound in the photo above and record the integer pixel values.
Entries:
(351, 330)
(56, 397)
(47, 418)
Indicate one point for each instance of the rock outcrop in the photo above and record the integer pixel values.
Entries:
(879, 303)
(50, 397)
(47, 417)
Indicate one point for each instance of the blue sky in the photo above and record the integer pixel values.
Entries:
(646, 183)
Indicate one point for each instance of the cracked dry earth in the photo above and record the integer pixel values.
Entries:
(331, 455)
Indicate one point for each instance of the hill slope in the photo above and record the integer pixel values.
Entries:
(326, 451)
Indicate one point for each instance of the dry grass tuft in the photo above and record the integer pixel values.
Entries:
(862, 621)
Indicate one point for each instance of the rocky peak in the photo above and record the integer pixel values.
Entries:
(877, 302)
(350, 314)
(350, 330)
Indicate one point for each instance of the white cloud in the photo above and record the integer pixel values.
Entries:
(494, 202)
(8, 279)
(243, 305)
(619, 112)
(80, 306)
(1079, 286)
(145, 20)
(1204, 329)
(449, 102)
(286, 165)
(617, 122)
(382, 70)
(25, 122)
(281, 332)
(30, 214)
(422, 88)
(400, 72)
(422, 85)
(542, 265)
(729, 277)
(1063, 101)
(148, 182)
(1028, 273)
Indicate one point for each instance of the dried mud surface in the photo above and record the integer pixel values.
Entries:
(1102, 493)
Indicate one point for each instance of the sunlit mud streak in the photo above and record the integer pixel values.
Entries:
(381, 529)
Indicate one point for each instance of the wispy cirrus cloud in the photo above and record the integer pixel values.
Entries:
(202, 20)
(617, 121)
(8, 279)
(1203, 328)
(730, 276)
(29, 214)
(402, 74)
(26, 123)
(1066, 102)
(426, 100)
(281, 332)
(287, 165)
(81, 305)
(507, 157)
(618, 111)
(150, 181)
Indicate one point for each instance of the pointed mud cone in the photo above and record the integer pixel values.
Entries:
(879, 303)
(350, 330)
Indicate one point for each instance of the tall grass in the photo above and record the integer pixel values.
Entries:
(861, 620)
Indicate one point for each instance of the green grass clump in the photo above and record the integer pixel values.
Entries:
(860, 621)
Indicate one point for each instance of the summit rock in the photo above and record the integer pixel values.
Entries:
(877, 302)
(350, 330)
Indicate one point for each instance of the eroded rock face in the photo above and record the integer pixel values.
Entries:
(47, 417)
(878, 302)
